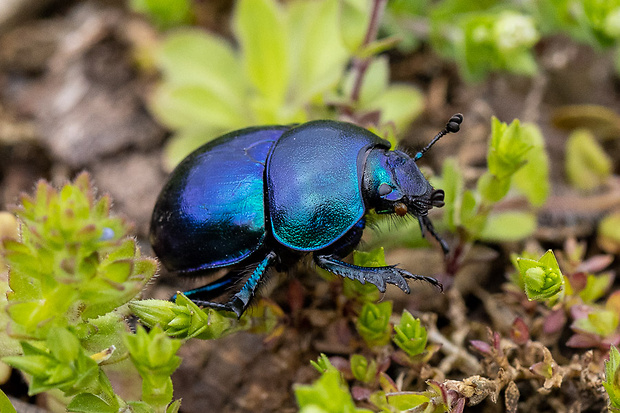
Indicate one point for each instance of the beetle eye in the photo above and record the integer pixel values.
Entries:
(384, 189)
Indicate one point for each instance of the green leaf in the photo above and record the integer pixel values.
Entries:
(174, 406)
(612, 377)
(533, 178)
(181, 105)
(354, 18)
(587, 164)
(404, 401)
(164, 13)
(472, 218)
(317, 55)
(374, 82)
(90, 403)
(193, 57)
(322, 364)
(508, 226)
(142, 407)
(601, 322)
(400, 104)
(451, 182)
(492, 188)
(549, 261)
(63, 345)
(327, 394)
(263, 38)
(374, 258)
(5, 404)
(596, 287)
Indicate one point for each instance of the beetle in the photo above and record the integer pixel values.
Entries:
(263, 197)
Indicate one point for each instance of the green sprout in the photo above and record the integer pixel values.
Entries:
(362, 369)
(183, 318)
(328, 394)
(73, 262)
(517, 159)
(410, 335)
(542, 278)
(154, 355)
(373, 323)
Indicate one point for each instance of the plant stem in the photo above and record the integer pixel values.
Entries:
(361, 65)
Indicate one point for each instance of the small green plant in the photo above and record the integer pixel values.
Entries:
(485, 39)
(410, 335)
(362, 369)
(329, 394)
(576, 291)
(373, 323)
(290, 67)
(542, 278)
(500, 36)
(154, 355)
(73, 271)
(184, 319)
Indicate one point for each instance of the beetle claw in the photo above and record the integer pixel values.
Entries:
(428, 279)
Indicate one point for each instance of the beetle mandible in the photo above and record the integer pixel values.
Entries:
(263, 197)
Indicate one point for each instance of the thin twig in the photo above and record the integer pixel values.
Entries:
(361, 65)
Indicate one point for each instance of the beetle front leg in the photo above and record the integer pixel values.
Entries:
(378, 276)
(426, 223)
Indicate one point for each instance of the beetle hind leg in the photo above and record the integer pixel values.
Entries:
(240, 301)
(378, 276)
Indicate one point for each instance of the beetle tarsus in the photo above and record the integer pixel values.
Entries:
(378, 276)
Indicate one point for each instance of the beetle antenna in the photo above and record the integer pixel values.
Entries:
(452, 126)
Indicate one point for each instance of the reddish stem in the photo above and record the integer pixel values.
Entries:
(361, 65)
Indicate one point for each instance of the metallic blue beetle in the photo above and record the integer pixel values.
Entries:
(263, 197)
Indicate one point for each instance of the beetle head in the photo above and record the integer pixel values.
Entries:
(393, 183)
